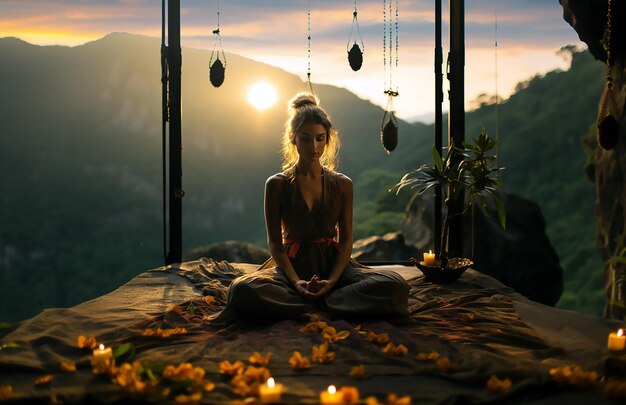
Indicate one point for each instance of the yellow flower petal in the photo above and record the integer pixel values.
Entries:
(6, 391)
(87, 342)
(68, 366)
(210, 300)
(399, 350)
(350, 395)
(298, 361)
(321, 354)
(259, 360)
(358, 372)
(393, 399)
(44, 379)
(226, 368)
(494, 384)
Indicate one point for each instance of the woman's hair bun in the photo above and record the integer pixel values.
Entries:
(303, 100)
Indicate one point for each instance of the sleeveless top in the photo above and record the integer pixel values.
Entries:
(313, 233)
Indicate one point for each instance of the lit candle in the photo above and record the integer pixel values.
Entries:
(429, 258)
(101, 356)
(270, 392)
(331, 396)
(617, 341)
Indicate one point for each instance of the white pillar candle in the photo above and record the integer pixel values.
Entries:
(101, 355)
(270, 392)
(429, 258)
(331, 396)
(617, 341)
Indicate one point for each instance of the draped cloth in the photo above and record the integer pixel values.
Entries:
(309, 239)
(483, 328)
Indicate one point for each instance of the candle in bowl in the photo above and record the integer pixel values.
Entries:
(617, 341)
(331, 396)
(101, 356)
(429, 258)
(270, 392)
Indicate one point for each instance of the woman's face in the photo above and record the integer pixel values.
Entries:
(311, 141)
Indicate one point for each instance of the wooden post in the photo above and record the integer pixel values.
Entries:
(174, 62)
(438, 122)
(456, 114)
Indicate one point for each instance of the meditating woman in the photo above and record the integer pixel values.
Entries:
(309, 269)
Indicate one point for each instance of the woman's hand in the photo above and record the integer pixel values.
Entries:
(302, 288)
(320, 287)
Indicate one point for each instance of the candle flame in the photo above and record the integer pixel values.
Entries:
(620, 332)
(270, 382)
(430, 252)
(101, 346)
(332, 389)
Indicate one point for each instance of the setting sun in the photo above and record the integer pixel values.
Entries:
(262, 95)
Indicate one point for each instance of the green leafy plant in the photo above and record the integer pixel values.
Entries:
(470, 170)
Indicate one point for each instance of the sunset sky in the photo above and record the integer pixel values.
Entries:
(530, 32)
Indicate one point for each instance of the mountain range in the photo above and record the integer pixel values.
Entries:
(81, 137)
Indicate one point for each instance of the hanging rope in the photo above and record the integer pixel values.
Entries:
(164, 120)
(389, 123)
(308, 69)
(355, 54)
(217, 68)
(609, 117)
(497, 98)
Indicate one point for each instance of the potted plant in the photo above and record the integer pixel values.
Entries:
(469, 170)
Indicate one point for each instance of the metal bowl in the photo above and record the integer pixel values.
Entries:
(437, 274)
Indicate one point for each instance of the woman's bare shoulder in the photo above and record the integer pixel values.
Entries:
(275, 181)
(343, 180)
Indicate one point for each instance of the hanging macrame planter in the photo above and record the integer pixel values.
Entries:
(217, 68)
(355, 53)
(216, 73)
(389, 123)
(389, 127)
(609, 116)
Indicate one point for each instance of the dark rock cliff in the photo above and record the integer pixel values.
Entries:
(589, 19)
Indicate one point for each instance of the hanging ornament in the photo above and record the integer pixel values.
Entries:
(308, 70)
(355, 53)
(609, 116)
(217, 68)
(389, 123)
(389, 131)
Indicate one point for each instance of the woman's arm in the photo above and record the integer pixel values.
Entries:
(273, 193)
(345, 237)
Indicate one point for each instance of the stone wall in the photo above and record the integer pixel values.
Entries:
(588, 18)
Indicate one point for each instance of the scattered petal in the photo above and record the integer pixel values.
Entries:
(87, 342)
(259, 360)
(381, 339)
(322, 355)
(226, 368)
(6, 391)
(44, 379)
(495, 385)
(350, 395)
(208, 385)
(298, 361)
(164, 333)
(329, 333)
(399, 350)
(210, 300)
(358, 372)
(427, 356)
(574, 376)
(68, 366)
(184, 371)
(444, 364)
(192, 399)
(393, 399)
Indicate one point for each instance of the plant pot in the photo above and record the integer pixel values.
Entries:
(437, 274)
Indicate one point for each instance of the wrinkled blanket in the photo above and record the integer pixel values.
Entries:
(457, 337)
